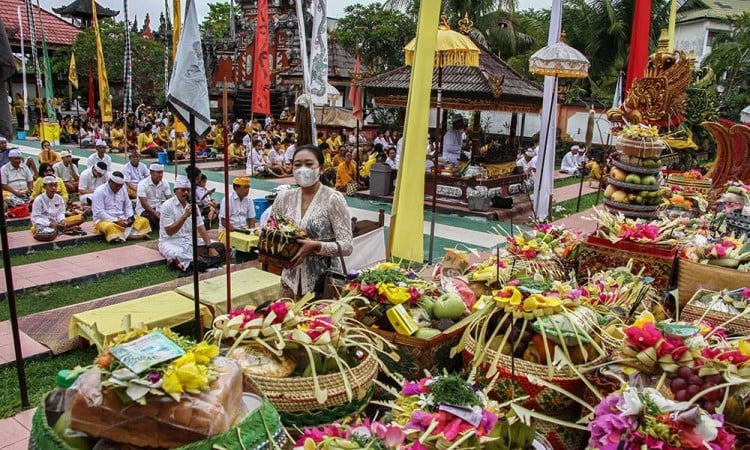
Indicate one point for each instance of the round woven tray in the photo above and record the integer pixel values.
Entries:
(633, 186)
(513, 381)
(296, 394)
(630, 207)
(252, 433)
(640, 148)
(633, 169)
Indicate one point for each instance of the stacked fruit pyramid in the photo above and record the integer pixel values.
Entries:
(634, 185)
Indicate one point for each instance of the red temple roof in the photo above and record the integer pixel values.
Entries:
(57, 31)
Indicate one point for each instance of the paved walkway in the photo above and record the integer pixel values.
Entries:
(29, 347)
(571, 191)
(22, 242)
(79, 267)
(15, 431)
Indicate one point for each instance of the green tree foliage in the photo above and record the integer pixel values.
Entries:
(217, 20)
(147, 61)
(730, 60)
(377, 33)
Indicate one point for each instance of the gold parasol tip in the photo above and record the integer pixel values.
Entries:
(465, 25)
(444, 23)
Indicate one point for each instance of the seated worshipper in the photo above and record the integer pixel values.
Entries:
(209, 207)
(17, 180)
(276, 160)
(146, 144)
(339, 157)
(256, 163)
(134, 171)
(153, 191)
(595, 172)
(47, 155)
(236, 152)
(100, 155)
(241, 216)
(117, 137)
(48, 214)
(527, 164)
(85, 136)
(162, 138)
(345, 174)
(91, 179)
(180, 144)
(453, 140)
(113, 212)
(573, 161)
(45, 170)
(176, 232)
(67, 171)
(391, 160)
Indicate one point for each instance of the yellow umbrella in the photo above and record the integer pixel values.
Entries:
(451, 49)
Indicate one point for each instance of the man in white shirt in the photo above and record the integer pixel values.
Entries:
(100, 155)
(453, 141)
(67, 171)
(113, 212)
(527, 163)
(391, 160)
(256, 164)
(153, 191)
(176, 231)
(241, 215)
(572, 161)
(91, 179)
(134, 172)
(17, 181)
(48, 214)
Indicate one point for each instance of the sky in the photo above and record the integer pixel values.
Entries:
(154, 8)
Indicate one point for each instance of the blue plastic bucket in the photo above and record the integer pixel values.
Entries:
(261, 204)
(162, 158)
(21, 135)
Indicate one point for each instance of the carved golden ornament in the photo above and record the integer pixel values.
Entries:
(465, 25)
(496, 83)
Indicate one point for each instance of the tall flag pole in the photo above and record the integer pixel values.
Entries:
(32, 38)
(406, 239)
(166, 50)
(355, 93)
(127, 68)
(25, 123)
(188, 100)
(305, 62)
(105, 99)
(72, 77)
(261, 102)
(49, 92)
(319, 50)
(176, 31)
(639, 37)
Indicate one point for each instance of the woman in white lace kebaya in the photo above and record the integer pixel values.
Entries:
(323, 214)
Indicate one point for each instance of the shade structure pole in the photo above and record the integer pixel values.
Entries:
(438, 146)
(588, 139)
(8, 270)
(543, 160)
(194, 224)
(228, 248)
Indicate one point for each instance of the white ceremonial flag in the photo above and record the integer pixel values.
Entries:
(188, 87)
(319, 51)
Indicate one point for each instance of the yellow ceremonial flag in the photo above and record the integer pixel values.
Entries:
(176, 31)
(672, 24)
(72, 74)
(406, 238)
(105, 100)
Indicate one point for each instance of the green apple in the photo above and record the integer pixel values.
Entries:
(427, 304)
(449, 306)
(633, 178)
(649, 180)
(426, 333)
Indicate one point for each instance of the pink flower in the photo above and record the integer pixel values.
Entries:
(369, 290)
(414, 295)
(607, 430)
(643, 338)
(416, 446)
(280, 309)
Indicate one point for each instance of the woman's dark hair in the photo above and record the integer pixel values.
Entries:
(324, 146)
(314, 149)
(43, 167)
(378, 147)
(44, 142)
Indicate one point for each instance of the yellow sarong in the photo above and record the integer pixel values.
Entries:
(73, 218)
(113, 231)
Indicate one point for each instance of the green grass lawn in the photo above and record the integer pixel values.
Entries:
(565, 208)
(566, 182)
(61, 295)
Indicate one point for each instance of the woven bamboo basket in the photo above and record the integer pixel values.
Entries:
(651, 148)
(296, 394)
(562, 438)
(742, 434)
(692, 276)
(694, 310)
(255, 431)
(513, 381)
(276, 248)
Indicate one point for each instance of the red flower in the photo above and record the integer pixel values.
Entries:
(280, 309)
(734, 357)
(369, 290)
(643, 338)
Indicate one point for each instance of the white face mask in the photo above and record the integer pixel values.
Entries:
(306, 176)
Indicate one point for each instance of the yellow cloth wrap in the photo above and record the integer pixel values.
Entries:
(498, 170)
(364, 171)
(681, 144)
(68, 219)
(111, 230)
(240, 241)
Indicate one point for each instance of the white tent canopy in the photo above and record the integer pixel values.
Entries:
(329, 99)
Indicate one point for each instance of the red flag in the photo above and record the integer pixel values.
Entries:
(355, 93)
(92, 110)
(261, 73)
(639, 36)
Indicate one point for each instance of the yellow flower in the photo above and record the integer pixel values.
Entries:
(643, 319)
(394, 294)
(509, 295)
(193, 377)
(171, 383)
(387, 266)
(187, 358)
(744, 348)
(205, 352)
